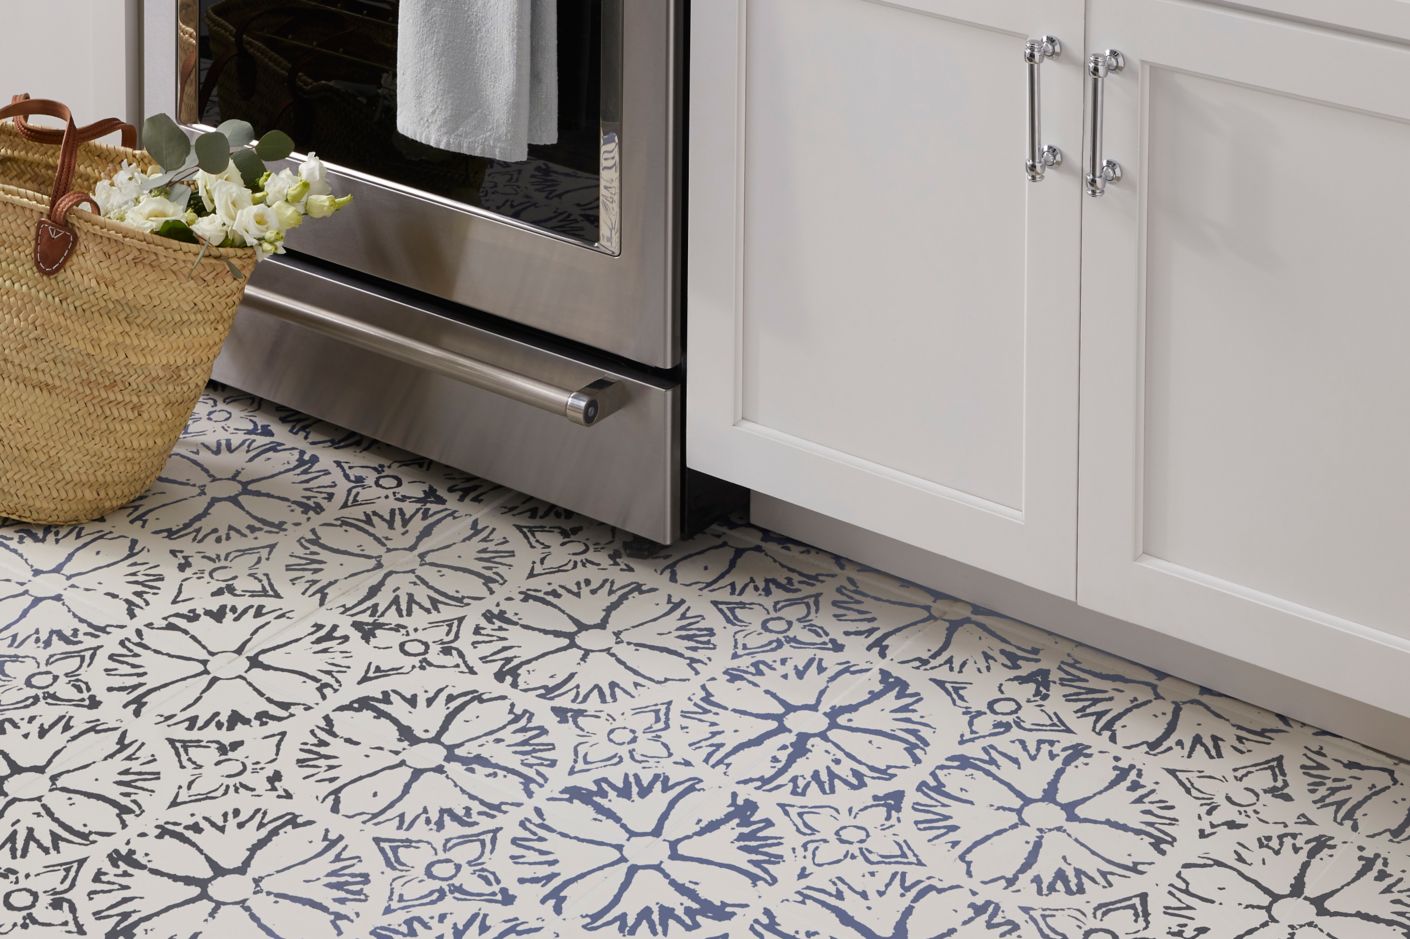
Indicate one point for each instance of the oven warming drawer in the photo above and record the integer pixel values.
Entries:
(579, 431)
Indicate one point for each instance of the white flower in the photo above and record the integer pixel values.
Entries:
(229, 200)
(324, 206)
(117, 195)
(289, 216)
(254, 222)
(277, 187)
(312, 172)
(206, 181)
(152, 212)
(210, 229)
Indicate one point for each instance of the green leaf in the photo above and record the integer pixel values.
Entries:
(197, 263)
(275, 145)
(238, 132)
(235, 271)
(181, 194)
(249, 164)
(157, 182)
(165, 141)
(213, 152)
(176, 230)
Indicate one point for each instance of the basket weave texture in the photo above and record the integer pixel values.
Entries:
(101, 363)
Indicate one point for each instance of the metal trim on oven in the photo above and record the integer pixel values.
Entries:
(620, 295)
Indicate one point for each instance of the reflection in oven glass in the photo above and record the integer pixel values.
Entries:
(325, 71)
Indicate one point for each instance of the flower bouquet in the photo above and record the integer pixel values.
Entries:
(217, 191)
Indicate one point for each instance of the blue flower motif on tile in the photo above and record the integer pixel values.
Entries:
(516, 505)
(227, 667)
(427, 758)
(223, 412)
(1060, 819)
(472, 490)
(234, 574)
(1295, 886)
(321, 435)
(1124, 918)
(218, 769)
(67, 781)
(451, 924)
(399, 563)
(1363, 791)
(232, 488)
(806, 726)
(750, 562)
(1142, 709)
(56, 679)
(931, 631)
(1240, 796)
(998, 703)
(378, 481)
(565, 549)
(869, 833)
(243, 872)
(789, 624)
(62, 585)
(405, 648)
(891, 905)
(605, 739)
(601, 640)
(429, 872)
(40, 898)
(647, 855)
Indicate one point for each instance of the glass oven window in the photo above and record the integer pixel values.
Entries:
(325, 71)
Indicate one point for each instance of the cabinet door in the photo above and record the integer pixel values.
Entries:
(882, 309)
(1245, 451)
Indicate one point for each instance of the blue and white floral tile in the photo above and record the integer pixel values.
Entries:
(357, 694)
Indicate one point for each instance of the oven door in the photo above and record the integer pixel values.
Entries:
(579, 239)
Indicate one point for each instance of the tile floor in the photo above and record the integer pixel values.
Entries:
(310, 686)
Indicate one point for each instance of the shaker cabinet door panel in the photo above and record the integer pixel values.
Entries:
(882, 309)
(1245, 425)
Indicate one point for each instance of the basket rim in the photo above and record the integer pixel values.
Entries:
(109, 228)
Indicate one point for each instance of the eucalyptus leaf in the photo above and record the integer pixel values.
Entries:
(180, 193)
(197, 263)
(176, 230)
(249, 164)
(275, 145)
(157, 182)
(237, 131)
(235, 271)
(213, 152)
(165, 141)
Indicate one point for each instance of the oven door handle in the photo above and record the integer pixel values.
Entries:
(585, 406)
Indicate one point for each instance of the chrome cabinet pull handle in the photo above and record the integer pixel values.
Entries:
(1101, 171)
(1040, 155)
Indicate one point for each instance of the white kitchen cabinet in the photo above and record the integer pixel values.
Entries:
(1245, 418)
(883, 309)
(884, 313)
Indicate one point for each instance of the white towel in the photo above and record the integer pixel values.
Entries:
(478, 76)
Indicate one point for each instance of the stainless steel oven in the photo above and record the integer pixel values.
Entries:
(520, 316)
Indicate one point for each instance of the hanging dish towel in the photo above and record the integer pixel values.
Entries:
(478, 76)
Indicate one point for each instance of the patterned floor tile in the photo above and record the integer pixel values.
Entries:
(310, 685)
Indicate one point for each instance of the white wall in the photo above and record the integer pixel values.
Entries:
(85, 53)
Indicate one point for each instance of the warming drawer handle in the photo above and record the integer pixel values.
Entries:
(586, 406)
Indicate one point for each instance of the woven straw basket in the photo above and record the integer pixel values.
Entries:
(107, 333)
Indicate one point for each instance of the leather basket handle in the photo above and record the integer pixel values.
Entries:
(54, 240)
(89, 132)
